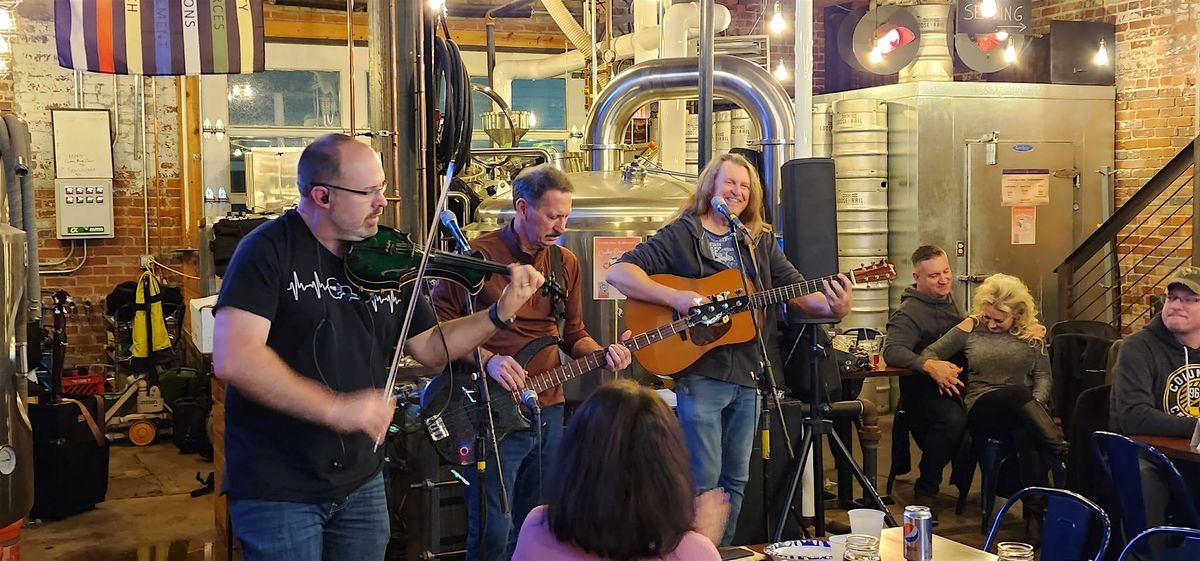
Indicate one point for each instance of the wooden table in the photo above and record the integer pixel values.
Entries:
(876, 373)
(1176, 448)
(891, 548)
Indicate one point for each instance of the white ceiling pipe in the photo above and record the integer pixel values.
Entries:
(672, 114)
(645, 16)
(802, 72)
(571, 28)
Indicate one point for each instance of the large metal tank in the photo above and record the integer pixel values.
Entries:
(16, 442)
(860, 152)
(604, 204)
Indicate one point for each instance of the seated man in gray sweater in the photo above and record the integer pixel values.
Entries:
(1156, 386)
(931, 394)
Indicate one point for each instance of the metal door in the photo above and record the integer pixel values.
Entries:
(1023, 236)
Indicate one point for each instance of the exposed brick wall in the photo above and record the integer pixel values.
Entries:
(1156, 110)
(750, 17)
(40, 85)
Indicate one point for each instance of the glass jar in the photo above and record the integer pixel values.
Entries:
(861, 548)
(1014, 551)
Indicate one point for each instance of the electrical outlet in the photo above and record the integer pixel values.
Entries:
(145, 261)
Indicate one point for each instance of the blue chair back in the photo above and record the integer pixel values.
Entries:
(1180, 543)
(1121, 457)
(1069, 519)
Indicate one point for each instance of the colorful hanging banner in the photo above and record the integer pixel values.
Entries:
(160, 37)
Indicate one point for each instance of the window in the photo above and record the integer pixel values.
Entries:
(286, 98)
(545, 99)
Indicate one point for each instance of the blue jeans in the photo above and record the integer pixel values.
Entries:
(355, 527)
(718, 421)
(523, 474)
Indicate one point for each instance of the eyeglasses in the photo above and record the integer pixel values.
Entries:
(1182, 299)
(367, 193)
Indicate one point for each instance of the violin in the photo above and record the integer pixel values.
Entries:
(389, 260)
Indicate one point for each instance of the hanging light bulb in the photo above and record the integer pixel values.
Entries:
(1010, 53)
(778, 25)
(6, 20)
(781, 72)
(875, 57)
(532, 119)
(236, 91)
(246, 91)
(988, 8)
(1101, 58)
(437, 5)
(1001, 35)
(237, 152)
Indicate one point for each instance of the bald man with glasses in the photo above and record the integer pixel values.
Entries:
(306, 356)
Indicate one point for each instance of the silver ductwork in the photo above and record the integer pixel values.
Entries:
(735, 79)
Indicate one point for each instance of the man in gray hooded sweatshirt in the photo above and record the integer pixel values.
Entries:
(1156, 384)
(931, 394)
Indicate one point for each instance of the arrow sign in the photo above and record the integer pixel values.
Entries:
(1011, 15)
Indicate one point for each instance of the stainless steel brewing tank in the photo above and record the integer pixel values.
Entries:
(603, 204)
(16, 435)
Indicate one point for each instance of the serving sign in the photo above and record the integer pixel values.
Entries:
(1013, 16)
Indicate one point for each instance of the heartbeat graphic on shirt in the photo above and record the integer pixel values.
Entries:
(333, 288)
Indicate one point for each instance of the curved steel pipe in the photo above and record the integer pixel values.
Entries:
(734, 79)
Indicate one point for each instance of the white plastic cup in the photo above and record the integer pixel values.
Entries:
(866, 521)
(837, 545)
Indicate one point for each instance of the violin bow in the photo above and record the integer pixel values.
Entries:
(431, 235)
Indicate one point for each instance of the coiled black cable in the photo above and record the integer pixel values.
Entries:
(451, 86)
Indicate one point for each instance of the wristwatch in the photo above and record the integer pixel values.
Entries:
(494, 315)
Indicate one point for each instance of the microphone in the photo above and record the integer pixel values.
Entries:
(719, 204)
(450, 222)
(529, 398)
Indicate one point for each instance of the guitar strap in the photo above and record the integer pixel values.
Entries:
(557, 292)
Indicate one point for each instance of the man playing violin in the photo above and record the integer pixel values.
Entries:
(306, 356)
(542, 200)
(718, 395)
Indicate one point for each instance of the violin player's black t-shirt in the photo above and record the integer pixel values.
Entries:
(323, 328)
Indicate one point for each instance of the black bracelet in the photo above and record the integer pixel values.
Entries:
(494, 315)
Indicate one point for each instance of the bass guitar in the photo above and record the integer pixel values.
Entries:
(687, 346)
(450, 403)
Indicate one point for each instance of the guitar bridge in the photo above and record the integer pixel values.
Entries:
(436, 428)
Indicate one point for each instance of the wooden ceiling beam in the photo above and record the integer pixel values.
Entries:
(466, 38)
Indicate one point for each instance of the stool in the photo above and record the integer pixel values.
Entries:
(993, 452)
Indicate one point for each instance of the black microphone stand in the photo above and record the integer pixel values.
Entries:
(817, 425)
(485, 432)
(768, 375)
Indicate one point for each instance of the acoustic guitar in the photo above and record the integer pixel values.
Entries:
(686, 347)
(450, 403)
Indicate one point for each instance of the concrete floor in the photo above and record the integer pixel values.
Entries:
(149, 514)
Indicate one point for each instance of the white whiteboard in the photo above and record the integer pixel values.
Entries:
(82, 143)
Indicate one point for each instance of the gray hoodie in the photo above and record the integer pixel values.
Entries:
(918, 322)
(1156, 387)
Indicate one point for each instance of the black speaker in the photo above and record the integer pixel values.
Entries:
(752, 528)
(808, 205)
(71, 468)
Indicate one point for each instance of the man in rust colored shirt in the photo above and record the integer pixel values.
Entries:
(542, 200)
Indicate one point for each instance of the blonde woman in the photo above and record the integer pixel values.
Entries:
(1008, 374)
(718, 395)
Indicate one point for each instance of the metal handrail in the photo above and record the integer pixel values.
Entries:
(1102, 245)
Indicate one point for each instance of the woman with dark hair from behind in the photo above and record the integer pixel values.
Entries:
(624, 492)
